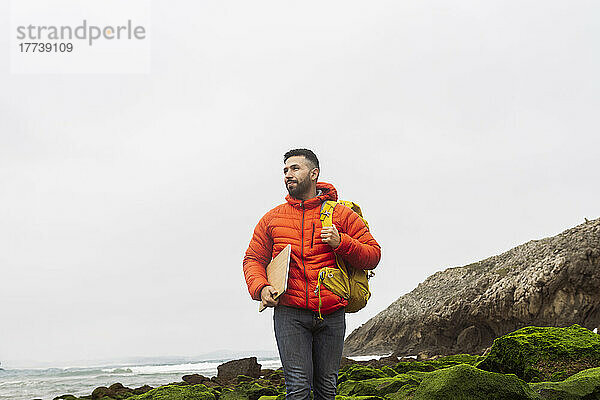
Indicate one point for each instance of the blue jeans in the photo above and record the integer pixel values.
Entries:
(310, 350)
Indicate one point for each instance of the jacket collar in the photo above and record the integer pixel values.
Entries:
(325, 191)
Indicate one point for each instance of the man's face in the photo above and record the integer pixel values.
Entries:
(298, 173)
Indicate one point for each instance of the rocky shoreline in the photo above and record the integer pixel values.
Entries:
(532, 363)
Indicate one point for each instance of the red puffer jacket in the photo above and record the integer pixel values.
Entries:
(298, 223)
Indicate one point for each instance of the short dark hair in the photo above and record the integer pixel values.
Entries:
(308, 154)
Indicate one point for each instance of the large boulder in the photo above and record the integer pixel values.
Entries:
(465, 382)
(549, 282)
(230, 370)
(544, 353)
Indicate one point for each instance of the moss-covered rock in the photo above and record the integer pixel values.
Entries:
(389, 371)
(582, 385)
(423, 366)
(375, 386)
(248, 391)
(177, 392)
(465, 382)
(459, 359)
(544, 353)
(362, 372)
(340, 397)
(406, 392)
(432, 365)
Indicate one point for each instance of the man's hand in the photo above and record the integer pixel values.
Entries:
(331, 236)
(267, 296)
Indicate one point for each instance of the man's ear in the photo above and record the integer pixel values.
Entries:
(314, 174)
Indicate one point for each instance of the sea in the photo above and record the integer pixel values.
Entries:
(48, 383)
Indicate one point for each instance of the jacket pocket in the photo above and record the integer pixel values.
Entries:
(312, 237)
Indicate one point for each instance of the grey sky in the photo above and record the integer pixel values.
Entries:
(127, 201)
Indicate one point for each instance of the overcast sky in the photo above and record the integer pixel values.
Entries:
(127, 201)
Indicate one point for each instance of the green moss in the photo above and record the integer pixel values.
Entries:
(388, 371)
(176, 392)
(465, 382)
(375, 386)
(433, 365)
(362, 372)
(423, 366)
(406, 392)
(541, 354)
(248, 391)
(340, 397)
(229, 394)
(582, 385)
(460, 359)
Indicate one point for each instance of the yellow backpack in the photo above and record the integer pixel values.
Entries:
(345, 281)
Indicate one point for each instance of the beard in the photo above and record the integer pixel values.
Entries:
(297, 190)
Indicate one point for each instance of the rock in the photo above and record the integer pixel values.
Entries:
(248, 391)
(376, 386)
(142, 389)
(195, 379)
(403, 367)
(119, 391)
(544, 354)
(245, 366)
(178, 392)
(390, 360)
(114, 391)
(466, 382)
(64, 397)
(265, 372)
(389, 371)
(254, 391)
(340, 397)
(99, 392)
(243, 378)
(438, 363)
(582, 385)
(346, 362)
(549, 282)
(360, 373)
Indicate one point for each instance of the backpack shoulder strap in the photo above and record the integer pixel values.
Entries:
(327, 212)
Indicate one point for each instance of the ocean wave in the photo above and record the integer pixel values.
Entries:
(165, 368)
(118, 370)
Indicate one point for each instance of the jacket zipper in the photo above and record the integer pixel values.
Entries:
(312, 236)
(302, 254)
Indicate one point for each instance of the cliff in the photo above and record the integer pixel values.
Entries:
(549, 282)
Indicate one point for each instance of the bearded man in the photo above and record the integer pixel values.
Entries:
(310, 346)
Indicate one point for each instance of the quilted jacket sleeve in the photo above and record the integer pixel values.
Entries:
(357, 246)
(257, 258)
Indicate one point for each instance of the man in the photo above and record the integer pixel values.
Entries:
(310, 347)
